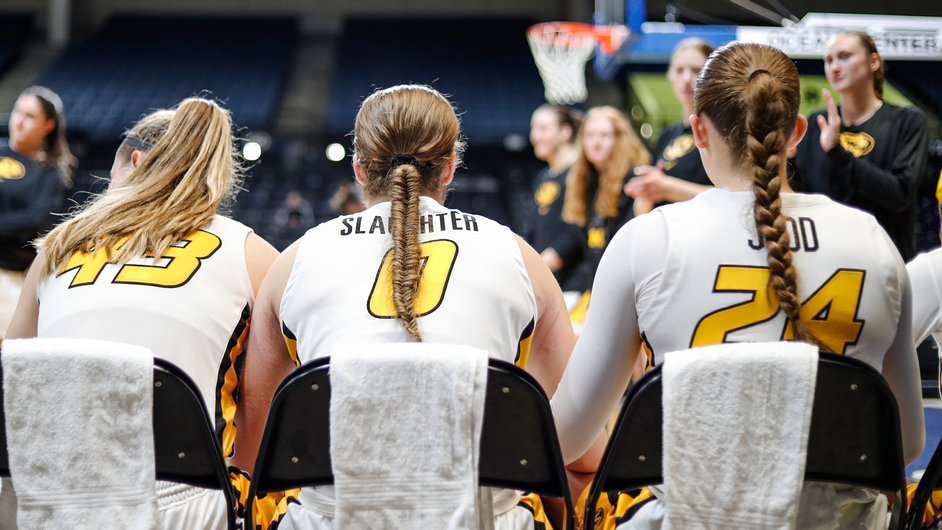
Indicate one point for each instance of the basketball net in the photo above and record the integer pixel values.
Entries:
(561, 50)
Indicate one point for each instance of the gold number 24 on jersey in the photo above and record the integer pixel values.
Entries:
(182, 262)
(830, 313)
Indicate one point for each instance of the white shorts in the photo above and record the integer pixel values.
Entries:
(184, 507)
(314, 511)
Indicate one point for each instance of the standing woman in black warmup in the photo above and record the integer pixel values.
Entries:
(553, 130)
(609, 150)
(678, 174)
(35, 170)
(865, 153)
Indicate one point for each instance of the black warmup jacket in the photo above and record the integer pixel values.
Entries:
(877, 167)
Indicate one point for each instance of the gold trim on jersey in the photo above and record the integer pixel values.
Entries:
(648, 352)
(607, 516)
(523, 347)
(11, 169)
(267, 510)
(533, 503)
(546, 195)
(227, 384)
(857, 144)
(292, 342)
(578, 313)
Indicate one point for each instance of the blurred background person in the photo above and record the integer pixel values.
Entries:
(347, 199)
(553, 130)
(35, 170)
(865, 153)
(678, 174)
(608, 151)
(294, 217)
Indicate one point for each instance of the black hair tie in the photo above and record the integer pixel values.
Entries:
(757, 72)
(399, 160)
(137, 143)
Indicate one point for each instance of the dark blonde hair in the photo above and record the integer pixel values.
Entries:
(871, 48)
(751, 93)
(627, 153)
(565, 117)
(191, 169)
(54, 147)
(410, 121)
(695, 43)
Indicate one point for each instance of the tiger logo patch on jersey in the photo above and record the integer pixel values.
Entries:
(857, 144)
(546, 195)
(678, 147)
(11, 169)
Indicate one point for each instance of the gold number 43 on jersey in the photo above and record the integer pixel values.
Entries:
(830, 313)
(176, 267)
(438, 259)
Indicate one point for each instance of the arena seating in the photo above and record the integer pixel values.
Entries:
(137, 63)
(484, 65)
(14, 30)
(924, 79)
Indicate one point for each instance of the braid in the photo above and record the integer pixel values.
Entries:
(765, 148)
(404, 184)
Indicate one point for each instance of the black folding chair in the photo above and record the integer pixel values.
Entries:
(519, 448)
(854, 439)
(931, 480)
(186, 449)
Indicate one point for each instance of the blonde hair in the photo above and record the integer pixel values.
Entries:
(627, 153)
(408, 121)
(695, 43)
(751, 93)
(181, 182)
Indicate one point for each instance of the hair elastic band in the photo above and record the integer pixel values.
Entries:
(399, 160)
(137, 143)
(757, 72)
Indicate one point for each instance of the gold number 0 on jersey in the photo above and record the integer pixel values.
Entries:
(830, 313)
(438, 259)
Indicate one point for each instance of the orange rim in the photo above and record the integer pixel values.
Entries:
(573, 34)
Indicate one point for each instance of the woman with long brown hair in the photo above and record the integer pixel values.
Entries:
(609, 150)
(359, 279)
(865, 152)
(35, 169)
(746, 261)
(171, 174)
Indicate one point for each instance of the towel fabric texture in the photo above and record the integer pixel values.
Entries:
(736, 422)
(79, 421)
(405, 424)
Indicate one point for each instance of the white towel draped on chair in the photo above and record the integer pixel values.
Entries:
(736, 423)
(79, 423)
(405, 423)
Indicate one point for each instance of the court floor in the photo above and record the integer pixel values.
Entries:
(933, 410)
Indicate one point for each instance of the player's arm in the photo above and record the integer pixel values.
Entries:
(267, 362)
(25, 319)
(553, 341)
(901, 371)
(604, 357)
(259, 256)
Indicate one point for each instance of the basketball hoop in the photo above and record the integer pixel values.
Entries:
(561, 50)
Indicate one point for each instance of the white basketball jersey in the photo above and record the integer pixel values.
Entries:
(925, 272)
(191, 307)
(474, 288)
(714, 285)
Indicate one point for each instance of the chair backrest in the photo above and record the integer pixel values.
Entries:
(519, 447)
(186, 449)
(854, 439)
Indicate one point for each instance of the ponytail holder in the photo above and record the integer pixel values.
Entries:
(399, 160)
(137, 143)
(757, 72)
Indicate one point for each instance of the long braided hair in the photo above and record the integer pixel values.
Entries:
(405, 137)
(751, 93)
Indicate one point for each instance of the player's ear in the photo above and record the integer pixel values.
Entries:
(801, 126)
(699, 132)
(358, 170)
(450, 170)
